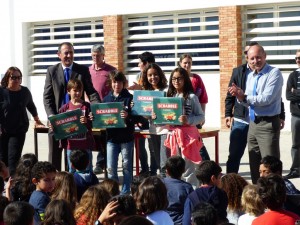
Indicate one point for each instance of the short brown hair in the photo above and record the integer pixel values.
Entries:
(75, 83)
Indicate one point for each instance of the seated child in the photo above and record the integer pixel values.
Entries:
(3, 203)
(204, 214)
(177, 189)
(272, 191)
(120, 140)
(209, 174)
(111, 186)
(17, 213)
(83, 178)
(43, 177)
(252, 204)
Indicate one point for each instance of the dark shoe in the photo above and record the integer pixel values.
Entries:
(291, 175)
(98, 170)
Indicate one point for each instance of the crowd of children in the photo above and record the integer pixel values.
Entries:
(188, 190)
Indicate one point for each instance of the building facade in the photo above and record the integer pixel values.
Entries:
(213, 33)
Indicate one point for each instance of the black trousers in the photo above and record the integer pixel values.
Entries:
(55, 152)
(11, 150)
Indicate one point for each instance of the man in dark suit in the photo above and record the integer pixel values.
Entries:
(55, 91)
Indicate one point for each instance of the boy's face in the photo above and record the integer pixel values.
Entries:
(117, 86)
(264, 171)
(75, 94)
(216, 181)
(46, 183)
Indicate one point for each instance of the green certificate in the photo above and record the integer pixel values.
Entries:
(107, 115)
(143, 101)
(168, 110)
(67, 124)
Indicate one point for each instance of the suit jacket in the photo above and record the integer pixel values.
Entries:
(55, 87)
(239, 78)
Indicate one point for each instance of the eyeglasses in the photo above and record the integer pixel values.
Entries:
(297, 58)
(177, 78)
(15, 77)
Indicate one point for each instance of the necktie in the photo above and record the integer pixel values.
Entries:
(251, 110)
(298, 83)
(67, 77)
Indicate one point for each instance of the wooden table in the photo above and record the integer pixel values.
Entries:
(205, 133)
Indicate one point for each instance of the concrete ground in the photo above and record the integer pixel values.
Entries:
(285, 145)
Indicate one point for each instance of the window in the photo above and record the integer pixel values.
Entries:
(45, 38)
(168, 36)
(277, 29)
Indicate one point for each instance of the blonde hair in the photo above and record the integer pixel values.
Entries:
(65, 188)
(91, 205)
(251, 201)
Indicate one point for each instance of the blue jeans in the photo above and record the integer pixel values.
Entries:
(113, 151)
(238, 142)
(90, 165)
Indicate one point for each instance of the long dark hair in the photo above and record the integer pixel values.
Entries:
(187, 87)
(162, 84)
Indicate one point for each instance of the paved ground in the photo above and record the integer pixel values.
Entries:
(285, 145)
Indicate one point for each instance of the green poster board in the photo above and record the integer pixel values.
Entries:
(67, 125)
(107, 115)
(168, 110)
(143, 101)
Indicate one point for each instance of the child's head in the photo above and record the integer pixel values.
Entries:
(153, 77)
(126, 207)
(75, 88)
(3, 203)
(208, 172)
(4, 172)
(251, 202)
(136, 219)
(175, 166)
(58, 211)
(151, 195)
(92, 203)
(65, 188)
(136, 181)
(112, 186)
(43, 176)
(17, 213)
(270, 164)
(79, 159)
(180, 82)
(118, 81)
(204, 214)
(233, 184)
(272, 191)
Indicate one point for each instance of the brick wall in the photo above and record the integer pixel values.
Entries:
(113, 41)
(230, 44)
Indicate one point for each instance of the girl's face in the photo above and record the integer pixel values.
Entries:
(141, 65)
(186, 64)
(153, 77)
(178, 82)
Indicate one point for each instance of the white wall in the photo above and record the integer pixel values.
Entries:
(16, 14)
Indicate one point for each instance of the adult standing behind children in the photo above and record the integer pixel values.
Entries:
(55, 91)
(16, 100)
(293, 95)
(263, 97)
(99, 71)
